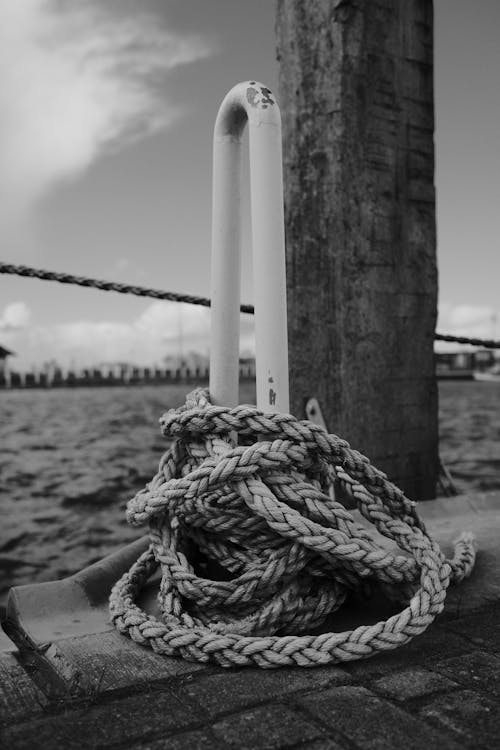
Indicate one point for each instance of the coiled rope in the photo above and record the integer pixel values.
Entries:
(288, 554)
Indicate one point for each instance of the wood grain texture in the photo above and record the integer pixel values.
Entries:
(356, 94)
(20, 698)
(103, 662)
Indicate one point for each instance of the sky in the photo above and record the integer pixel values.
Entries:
(105, 167)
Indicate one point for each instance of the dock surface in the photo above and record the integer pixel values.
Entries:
(69, 680)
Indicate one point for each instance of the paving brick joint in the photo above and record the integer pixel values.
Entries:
(442, 689)
(415, 697)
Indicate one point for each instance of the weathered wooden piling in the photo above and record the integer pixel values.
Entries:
(356, 92)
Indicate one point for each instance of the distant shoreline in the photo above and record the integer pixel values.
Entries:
(105, 383)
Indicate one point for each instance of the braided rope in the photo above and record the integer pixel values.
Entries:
(286, 554)
(141, 291)
(486, 343)
(108, 286)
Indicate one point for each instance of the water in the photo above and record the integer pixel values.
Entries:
(469, 430)
(71, 459)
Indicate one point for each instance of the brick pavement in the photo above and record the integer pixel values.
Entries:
(440, 690)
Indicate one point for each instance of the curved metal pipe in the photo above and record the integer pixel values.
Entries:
(254, 103)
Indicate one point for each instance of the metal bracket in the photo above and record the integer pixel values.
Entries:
(313, 412)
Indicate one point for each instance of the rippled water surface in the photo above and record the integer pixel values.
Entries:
(71, 459)
(469, 429)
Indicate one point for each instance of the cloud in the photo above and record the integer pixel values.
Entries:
(15, 317)
(162, 329)
(78, 79)
(170, 328)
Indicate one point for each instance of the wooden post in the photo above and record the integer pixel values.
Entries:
(356, 95)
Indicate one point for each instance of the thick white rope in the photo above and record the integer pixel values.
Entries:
(286, 554)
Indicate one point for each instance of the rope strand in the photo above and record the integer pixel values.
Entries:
(287, 555)
(486, 343)
(139, 291)
(109, 286)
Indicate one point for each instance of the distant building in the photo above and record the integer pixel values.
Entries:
(462, 364)
(190, 365)
(4, 353)
(484, 359)
(247, 367)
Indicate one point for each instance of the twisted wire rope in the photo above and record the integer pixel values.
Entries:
(107, 286)
(281, 553)
(140, 291)
(486, 343)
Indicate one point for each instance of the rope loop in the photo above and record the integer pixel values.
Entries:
(255, 554)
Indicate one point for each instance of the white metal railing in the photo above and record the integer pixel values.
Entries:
(253, 103)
